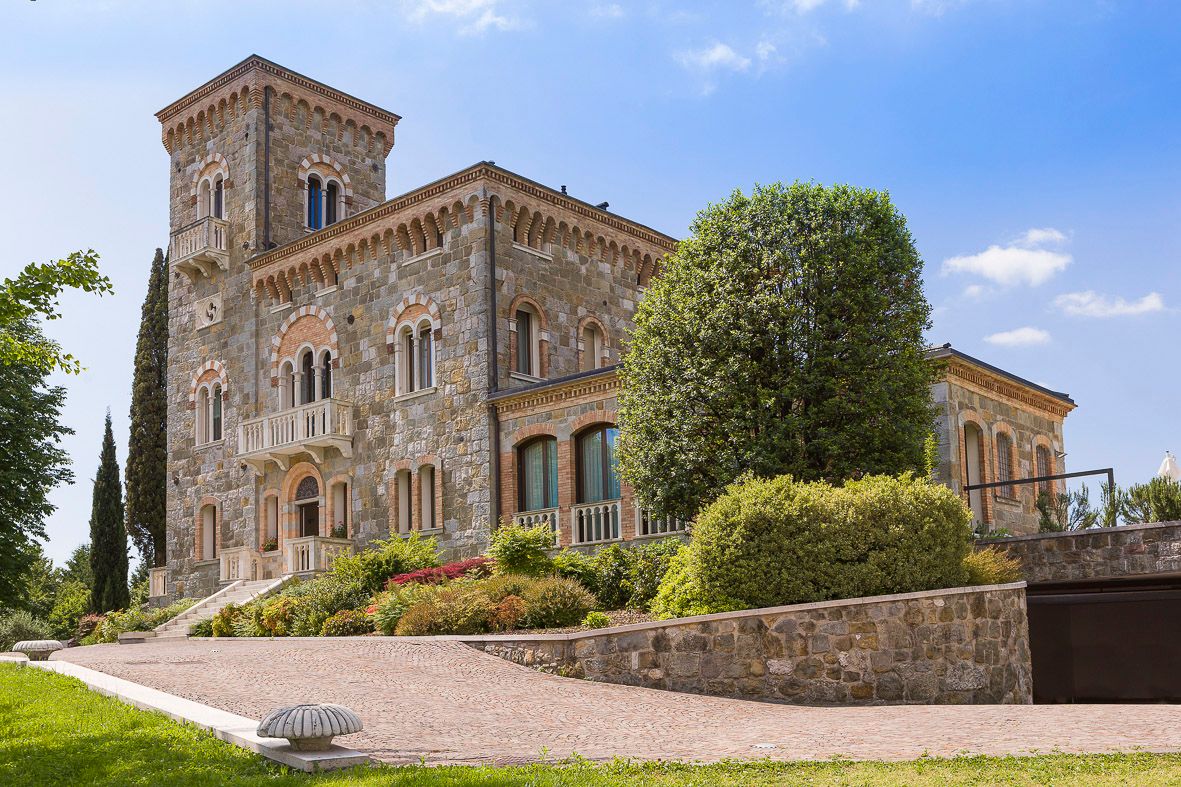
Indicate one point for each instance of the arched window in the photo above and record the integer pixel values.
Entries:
(402, 488)
(537, 474)
(974, 468)
(331, 201)
(307, 503)
(201, 428)
(1004, 463)
(426, 371)
(528, 354)
(340, 509)
(1044, 467)
(204, 198)
(592, 348)
(287, 392)
(218, 207)
(426, 499)
(597, 465)
(308, 383)
(407, 359)
(215, 413)
(315, 203)
(326, 375)
(208, 532)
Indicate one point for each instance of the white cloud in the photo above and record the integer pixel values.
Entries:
(477, 16)
(712, 58)
(976, 291)
(765, 50)
(1092, 304)
(803, 6)
(608, 11)
(1021, 262)
(1019, 337)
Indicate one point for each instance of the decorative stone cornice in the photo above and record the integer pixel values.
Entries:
(547, 396)
(988, 382)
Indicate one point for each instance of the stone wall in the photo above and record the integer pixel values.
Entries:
(1099, 553)
(956, 646)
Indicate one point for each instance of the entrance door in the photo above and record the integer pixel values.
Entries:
(309, 519)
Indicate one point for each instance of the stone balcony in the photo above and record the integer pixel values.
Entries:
(201, 248)
(313, 554)
(307, 429)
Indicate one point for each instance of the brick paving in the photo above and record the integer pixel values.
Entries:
(445, 702)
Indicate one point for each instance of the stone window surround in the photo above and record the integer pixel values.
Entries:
(208, 170)
(328, 171)
(411, 471)
(539, 342)
(999, 493)
(603, 356)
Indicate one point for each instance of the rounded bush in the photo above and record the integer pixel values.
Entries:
(508, 614)
(555, 601)
(447, 610)
(347, 623)
(20, 625)
(770, 542)
(991, 566)
(517, 549)
(596, 620)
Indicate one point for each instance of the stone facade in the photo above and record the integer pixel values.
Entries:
(981, 410)
(1096, 554)
(385, 372)
(957, 646)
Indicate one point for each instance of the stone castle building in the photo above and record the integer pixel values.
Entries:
(343, 366)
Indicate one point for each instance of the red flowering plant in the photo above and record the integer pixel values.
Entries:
(473, 568)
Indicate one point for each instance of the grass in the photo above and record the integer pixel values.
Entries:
(53, 730)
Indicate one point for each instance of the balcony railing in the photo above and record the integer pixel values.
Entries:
(314, 553)
(648, 525)
(308, 428)
(595, 522)
(201, 247)
(238, 563)
(545, 516)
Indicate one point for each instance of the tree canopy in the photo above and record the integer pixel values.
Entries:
(784, 336)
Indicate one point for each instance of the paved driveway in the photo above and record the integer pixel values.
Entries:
(448, 703)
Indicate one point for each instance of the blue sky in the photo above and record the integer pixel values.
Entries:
(1033, 146)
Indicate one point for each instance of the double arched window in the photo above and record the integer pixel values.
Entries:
(211, 196)
(209, 413)
(325, 202)
(537, 474)
(415, 363)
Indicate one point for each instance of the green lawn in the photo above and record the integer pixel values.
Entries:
(53, 730)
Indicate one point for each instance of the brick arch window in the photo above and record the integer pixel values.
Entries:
(1004, 463)
(208, 524)
(592, 344)
(975, 472)
(307, 506)
(1045, 466)
(207, 398)
(597, 464)
(529, 339)
(537, 474)
(326, 191)
(413, 336)
(209, 186)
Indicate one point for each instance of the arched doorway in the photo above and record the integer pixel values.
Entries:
(307, 506)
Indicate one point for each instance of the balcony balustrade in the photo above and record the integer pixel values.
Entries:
(311, 554)
(592, 523)
(238, 563)
(545, 516)
(648, 525)
(157, 582)
(309, 428)
(200, 248)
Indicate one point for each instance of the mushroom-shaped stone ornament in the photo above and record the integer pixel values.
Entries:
(309, 727)
(37, 649)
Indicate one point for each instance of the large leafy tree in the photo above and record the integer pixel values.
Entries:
(33, 294)
(32, 461)
(785, 335)
(108, 538)
(147, 449)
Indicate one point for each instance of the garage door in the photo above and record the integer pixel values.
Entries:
(1115, 641)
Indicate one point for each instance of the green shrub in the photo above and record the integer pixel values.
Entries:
(19, 625)
(392, 606)
(767, 542)
(649, 565)
(372, 567)
(248, 623)
(320, 598)
(86, 626)
(575, 565)
(223, 621)
(447, 609)
(202, 628)
(517, 549)
(347, 623)
(554, 601)
(135, 619)
(275, 615)
(1157, 501)
(502, 586)
(596, 620)
(69, 605)
(613, 576)
(508, 613)
(991, 566)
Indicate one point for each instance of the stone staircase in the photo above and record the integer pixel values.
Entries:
(239, 592)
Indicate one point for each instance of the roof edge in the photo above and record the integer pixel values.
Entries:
(947, 351)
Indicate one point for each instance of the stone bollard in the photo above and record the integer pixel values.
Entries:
(309, 727)
(37, 649)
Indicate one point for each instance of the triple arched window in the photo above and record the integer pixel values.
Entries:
(209, 413)
(307, 380)
(325, 202)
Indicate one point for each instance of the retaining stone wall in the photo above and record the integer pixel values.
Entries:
(1099, 553)
(957, 646)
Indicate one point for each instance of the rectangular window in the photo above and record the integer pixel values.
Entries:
(404, 501)
(425, 372)
(524, 342)
(426, 483)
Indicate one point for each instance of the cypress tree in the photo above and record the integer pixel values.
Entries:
(148, 446)
(108, 538)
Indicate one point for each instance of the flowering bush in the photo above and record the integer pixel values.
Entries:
(509, 613)
(347, 623)
(87, 624)
(474, 568)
